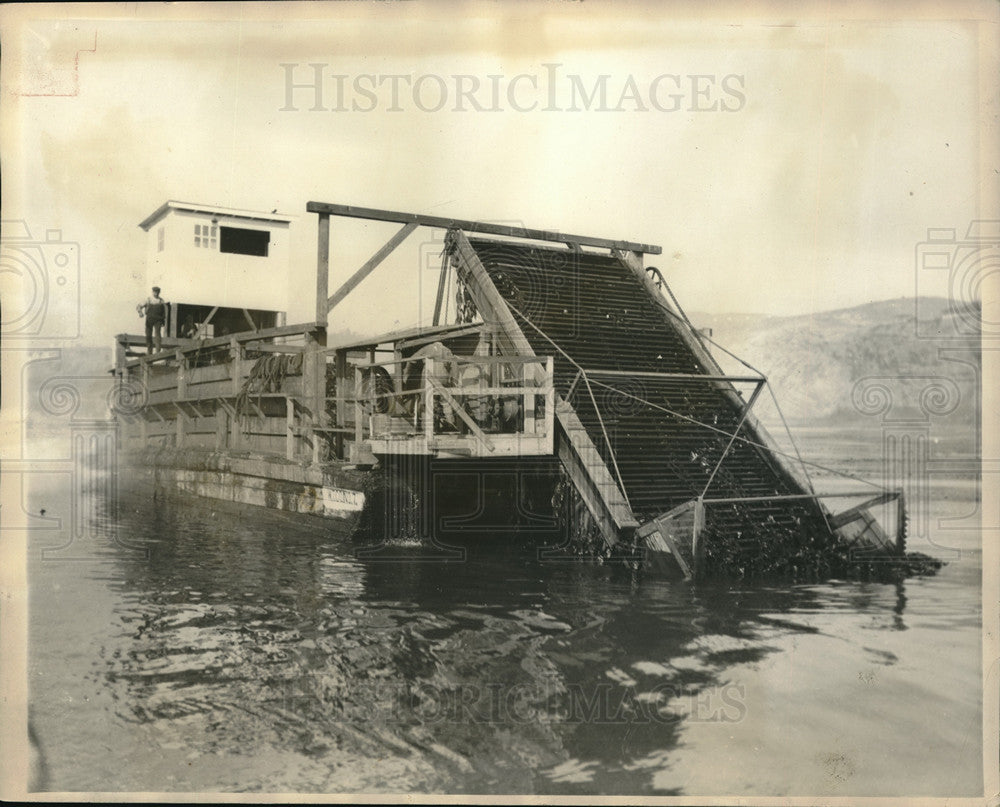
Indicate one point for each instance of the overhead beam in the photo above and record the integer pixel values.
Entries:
(326, 209)
(370, 265)
(423, 340)
(790, 497)
(406, 336)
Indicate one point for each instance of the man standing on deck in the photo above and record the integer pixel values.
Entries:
(155, 311)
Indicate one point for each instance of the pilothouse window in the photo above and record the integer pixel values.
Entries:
(239, 241)
(204, 236)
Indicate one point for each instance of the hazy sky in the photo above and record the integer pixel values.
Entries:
(786, 164)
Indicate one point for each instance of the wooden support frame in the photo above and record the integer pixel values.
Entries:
(325, 209)
(366, 269)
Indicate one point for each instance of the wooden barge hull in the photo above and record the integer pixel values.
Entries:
(334, 491)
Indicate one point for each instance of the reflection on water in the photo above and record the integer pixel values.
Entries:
(249, 650)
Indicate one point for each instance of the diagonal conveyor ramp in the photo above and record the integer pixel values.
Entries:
(645, 413)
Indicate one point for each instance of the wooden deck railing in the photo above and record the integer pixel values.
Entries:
(207, 392)
(450, 400)
(195, 392)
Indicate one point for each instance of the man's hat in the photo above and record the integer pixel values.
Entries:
(156, 288)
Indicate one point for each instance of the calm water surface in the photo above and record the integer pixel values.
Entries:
(189, 645)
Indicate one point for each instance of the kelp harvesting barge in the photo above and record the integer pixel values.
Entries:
(559, 384)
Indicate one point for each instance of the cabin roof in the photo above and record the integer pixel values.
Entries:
(228, 212)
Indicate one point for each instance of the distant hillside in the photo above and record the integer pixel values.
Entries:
(815, 361)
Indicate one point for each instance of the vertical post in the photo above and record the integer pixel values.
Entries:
(236, 351)
(340, 368)
(221, 428)
(234, 432)
(120, 357)
(323, 270)
(359, 414)
(397, 356)
(319, 389)
(316, 341)
(289, 428)
(145, 377)
(315, 448)
(179, 425)
(311, 393)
